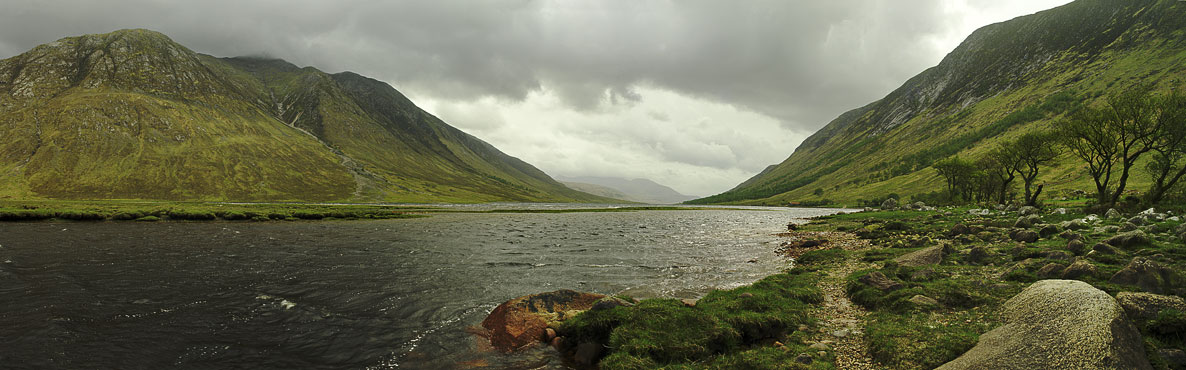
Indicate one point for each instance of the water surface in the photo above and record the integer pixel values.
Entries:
(344, 294)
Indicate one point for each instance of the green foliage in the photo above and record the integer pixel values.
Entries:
(917, 342)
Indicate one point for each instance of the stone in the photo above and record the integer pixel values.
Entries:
(1060, 211)
(818, 346)
(1129, 239)
(557, 343)
(1058, 255)
(1028, 236)
(1138, 220)
(549, 335)
(745, 295)
(1025, 222)
(1112, 214)
(878, 280)
(1070, 235)
(1181, 229)
(978, 254)
(1058, 324)
(610, 302)
(1028, 210)
(923, 301)
(1050, 270)
(1103, 248)
(840, 333)
(978, 212)
(1047, 231)
(588, 353)
(1128, 226)
(927, 256)
(889, 204)
(688, 302)
(1076, 224)
(1141, 306)
(960, 229)
(1079, 268)
(1077, 246)
(1147, 274)
(522, 321)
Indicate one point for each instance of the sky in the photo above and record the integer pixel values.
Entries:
(698, 95)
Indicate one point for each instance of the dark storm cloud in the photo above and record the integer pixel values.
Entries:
(800, 61)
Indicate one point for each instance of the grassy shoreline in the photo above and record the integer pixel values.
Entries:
(931, 314)
(156, 211)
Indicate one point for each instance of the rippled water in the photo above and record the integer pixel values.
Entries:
(346, 294)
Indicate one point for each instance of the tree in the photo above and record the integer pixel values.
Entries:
(1032, 151)
(1169, 150)
(1119, 132)
(1001, 165)
(958, 173)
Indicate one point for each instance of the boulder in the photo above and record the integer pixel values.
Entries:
(1070, 235)
(1129, 239)
(1076, 224)
(1077, 246)
(978, 254)
(1027, 236)
(1145, 306)
(1181, 229)
(1103, 248)
(922, 274)
(1047, 231)
(1058, 324)
(923, 301)
(1078, 269)
(1057, 255)
(1112, 214)
(1060, 211)
(1025, 222)
(1138, 220)
(960, 229)
(978, 212)
(1128, 226)
(1050, 270)
(889, 204)
(1148, 275)
(928, 256)
(878, 280)
(1028, 210)
(522, 321)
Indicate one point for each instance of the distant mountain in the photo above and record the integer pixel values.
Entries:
(132, 114)
(1004, 80)
(634, 190)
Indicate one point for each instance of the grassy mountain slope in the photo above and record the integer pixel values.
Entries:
(131, 114)
(634, 190)
(1004, 80)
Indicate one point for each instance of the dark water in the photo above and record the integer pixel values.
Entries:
(349, 294)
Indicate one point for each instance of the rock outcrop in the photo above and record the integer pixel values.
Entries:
(1058, 324)
(522, 321)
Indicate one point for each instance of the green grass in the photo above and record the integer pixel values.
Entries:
(191, 211)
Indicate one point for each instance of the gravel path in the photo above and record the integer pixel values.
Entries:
(841, 322)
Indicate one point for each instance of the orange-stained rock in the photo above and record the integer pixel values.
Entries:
(522, 321)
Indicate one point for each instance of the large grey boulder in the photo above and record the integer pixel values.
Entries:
(1058, 324)
(1028, 210)
(889, 204)
(1129, 239)
(1028, 221)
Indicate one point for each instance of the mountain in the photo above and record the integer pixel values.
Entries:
(1004, 80)
(634, 190)
(133, 115)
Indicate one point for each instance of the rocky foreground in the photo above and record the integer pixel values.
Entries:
(910, 287)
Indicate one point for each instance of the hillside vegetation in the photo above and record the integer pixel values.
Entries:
(133, 115)
(1004, 80)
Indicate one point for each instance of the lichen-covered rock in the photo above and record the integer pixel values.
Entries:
(889, 204)
(1129, 239)
(1047, 231)
(878, 280)
(1148, 275)
(1028, 210)
(1076, 224)
(1058, 324)
(1145, 306)
(960, 229)
(1028, 221)
(1077, 246)
(1050, 270)
(1079, 268)
(923, 301)
(1112, 214)
(929, 256)
(1028, 236)
(978, 254)
(524, 320)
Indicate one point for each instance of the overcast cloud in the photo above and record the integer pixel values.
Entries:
(696, 95)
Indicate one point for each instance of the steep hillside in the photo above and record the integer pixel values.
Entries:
(132, 114)
(1005, 79)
